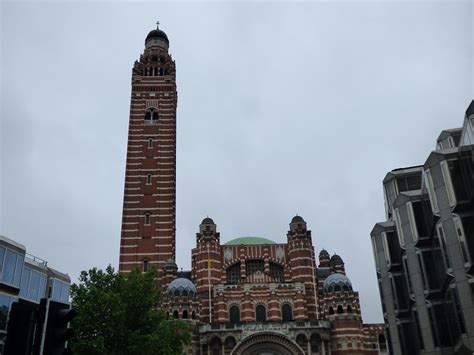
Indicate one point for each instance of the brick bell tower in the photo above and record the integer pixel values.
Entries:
(149, 204)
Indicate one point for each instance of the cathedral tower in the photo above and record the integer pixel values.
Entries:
(149, 205)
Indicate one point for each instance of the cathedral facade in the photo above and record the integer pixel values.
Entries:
(249, 295)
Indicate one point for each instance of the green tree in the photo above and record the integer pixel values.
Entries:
(119, 314)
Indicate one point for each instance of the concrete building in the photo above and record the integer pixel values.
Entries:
(424, 251)
(26, 277)
(249, 295)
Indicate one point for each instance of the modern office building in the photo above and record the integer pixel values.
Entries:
(27, 278)
(247, 295)
(424, 251)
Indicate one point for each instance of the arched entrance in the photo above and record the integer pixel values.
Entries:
(267, 343)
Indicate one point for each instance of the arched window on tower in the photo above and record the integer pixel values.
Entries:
(286, 313)
(349, 309)
(150, 143)
(148, 178)
(340, 310)
(234, 314)
(147, 218)
(185, 314)
(162, 72)
(331, 311)
(175, 314)
(260, 313)
(145, 265)
(151, 116)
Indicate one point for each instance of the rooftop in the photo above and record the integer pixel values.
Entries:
(249, 241)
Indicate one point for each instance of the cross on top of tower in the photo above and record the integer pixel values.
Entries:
(157, 25)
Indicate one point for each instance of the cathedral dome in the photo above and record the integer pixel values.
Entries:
(157, 34)
(181, 287)
(337, 282)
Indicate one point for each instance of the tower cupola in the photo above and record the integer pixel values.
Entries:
(297, 223)
(157, 38)
(208, 225)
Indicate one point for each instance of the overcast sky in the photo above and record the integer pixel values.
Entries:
(283, 108)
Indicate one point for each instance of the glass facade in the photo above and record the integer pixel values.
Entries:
(33, 285)
(11, 264)
(59, 290)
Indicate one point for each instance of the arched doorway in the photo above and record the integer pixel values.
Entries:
(267, 343)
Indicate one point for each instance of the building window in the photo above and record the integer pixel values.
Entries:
(234, 314)
(147, 218)
(340, 310)
(233, 274)
(252, 266)
(422, 269)
(145, 265)
(349, 309)
(185, 314)
(331, 311)
(409, 183)
(150, 143)
(260, 313)
(431, 191)
(412, 221)
(386, 250)
(151, 116)
(462, 240)
(5, 304)
(175, 314)
(286, 313)
(407, 273)
(148, 179)
(398, 225)
(376, 257)
(442, 242)
(276, 272)
(448, 183)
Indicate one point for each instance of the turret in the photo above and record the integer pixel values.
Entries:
(302, 262)
(207, 266)
(323, 258)
(336, 264)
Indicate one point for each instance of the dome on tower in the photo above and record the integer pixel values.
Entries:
(336, 260)
(337, 282)
(297, 219)
(157, 34)
(323, 254)
(181, 287)
(207, 220)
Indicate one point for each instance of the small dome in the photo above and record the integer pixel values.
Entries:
(157, 34)
(337, 282)
(297, 219)
(170, 265)
(207, 220)
(323, 254)
(181, 287)
(336, 260)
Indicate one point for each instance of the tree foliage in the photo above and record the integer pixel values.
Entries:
(119, 314)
